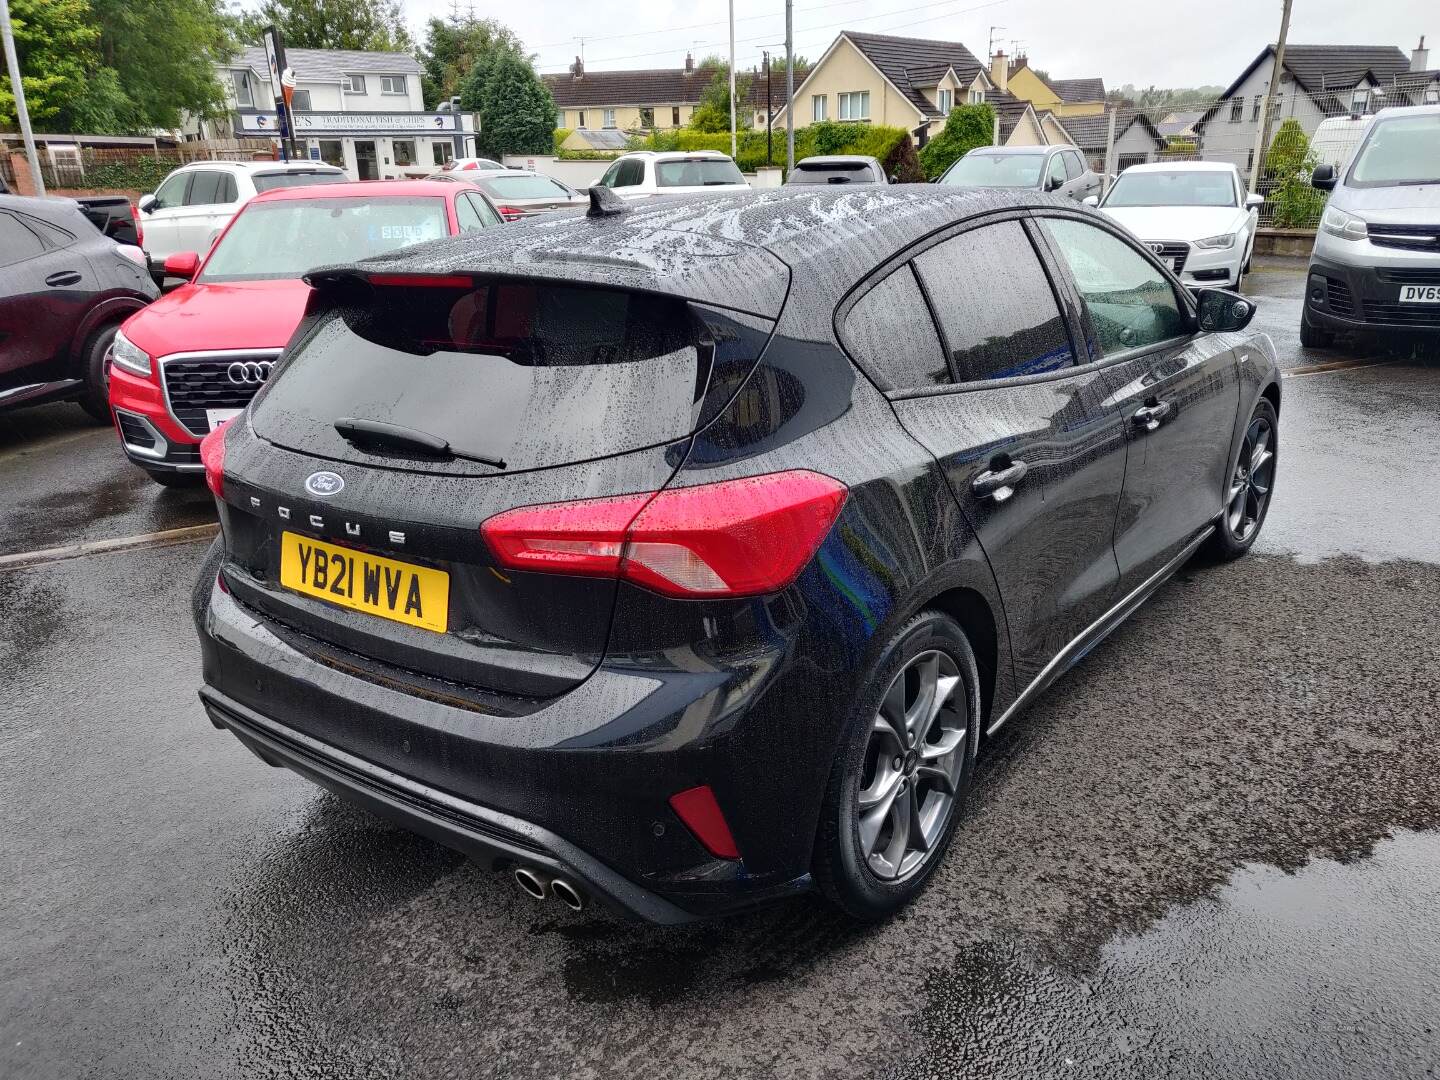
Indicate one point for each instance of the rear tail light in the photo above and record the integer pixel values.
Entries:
(734, 538)
(699, 810)
(212, 456)
(139, 225)
(510, 213)
(469, 165)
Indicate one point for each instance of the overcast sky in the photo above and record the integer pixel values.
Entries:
(1160, 42)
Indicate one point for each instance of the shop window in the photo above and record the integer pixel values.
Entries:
(332, 152)
(403, 151)
(443, 152)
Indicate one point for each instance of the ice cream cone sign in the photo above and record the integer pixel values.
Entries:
(287, 86)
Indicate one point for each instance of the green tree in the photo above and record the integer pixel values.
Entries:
(1288, 165)
(453, 47)
(368, 25)
(55, 41)
(712, 114)
(516, 109)
(967, 127)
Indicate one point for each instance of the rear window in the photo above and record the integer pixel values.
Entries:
(271, 180)
(285, 239)
(832, 174)
(522, 187)
(533, 374)
(697, 172)
(996, 170)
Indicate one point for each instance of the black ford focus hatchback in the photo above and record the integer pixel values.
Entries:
(679, 556)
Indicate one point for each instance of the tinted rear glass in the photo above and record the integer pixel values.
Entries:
(697, 172)
(522, 187)
(270, 181)
(533, 374)
(832, 174)
(285, 239)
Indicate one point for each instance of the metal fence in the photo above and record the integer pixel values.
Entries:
(68, 167)
(1304, 129)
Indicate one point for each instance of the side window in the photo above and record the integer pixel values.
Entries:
(1131, 303)
(994, 331)
(205, 188)
(608, 180)
(228, 191)
(632, 173)
(172, 192)
(17, 243)
(890, 334)
(1073, 165)
(1055, 176)
(465, 215)
(483, 211)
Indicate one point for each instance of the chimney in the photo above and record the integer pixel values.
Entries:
(1000, 71)
(1420, 58)
(577, 69)
(689, 64)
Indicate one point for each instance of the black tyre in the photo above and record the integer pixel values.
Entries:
(1312, 337)
(1251, 486)
(94, 370)
(183, 481)
(903, 772)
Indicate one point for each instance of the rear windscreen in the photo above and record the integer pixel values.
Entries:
(532, 374)
(832, 174)
(270, 181)
(523, 187)
(697, 172)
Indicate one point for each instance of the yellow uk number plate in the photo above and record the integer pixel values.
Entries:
(404, 592)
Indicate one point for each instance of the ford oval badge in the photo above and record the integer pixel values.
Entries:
(324, 483)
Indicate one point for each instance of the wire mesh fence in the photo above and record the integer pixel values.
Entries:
(1275, 154)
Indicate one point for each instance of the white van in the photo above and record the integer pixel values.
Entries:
(1336, 140)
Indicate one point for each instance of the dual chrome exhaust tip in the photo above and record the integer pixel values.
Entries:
(541, 886)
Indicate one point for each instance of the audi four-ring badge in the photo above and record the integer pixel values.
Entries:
(723, 609)
(250, 372)
(197, 356)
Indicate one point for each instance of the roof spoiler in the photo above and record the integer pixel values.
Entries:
(605, 203)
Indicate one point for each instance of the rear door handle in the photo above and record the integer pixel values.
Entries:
(999, 484)
(1149, 416)
(63, 278)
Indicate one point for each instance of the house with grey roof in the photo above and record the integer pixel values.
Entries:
(361, 111)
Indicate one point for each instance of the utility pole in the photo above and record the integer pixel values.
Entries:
(18, 89)
(769, 114)
(732, 78)
(1262, 132)
(789, 87)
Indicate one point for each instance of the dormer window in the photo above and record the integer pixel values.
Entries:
(977, 96)
(944, 101)
(244, 89)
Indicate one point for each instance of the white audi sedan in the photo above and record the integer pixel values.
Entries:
(1195, 215)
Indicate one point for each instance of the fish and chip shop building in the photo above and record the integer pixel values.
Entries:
(360, 111)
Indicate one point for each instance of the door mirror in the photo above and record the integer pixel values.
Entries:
(1091, 200)
(1053, 183)
(894, 179)
(182, 264)
(146, 204)
(1323, 178)
(1223, 311)
(1253, 200)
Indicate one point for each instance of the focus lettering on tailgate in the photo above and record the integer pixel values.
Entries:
(401, 591)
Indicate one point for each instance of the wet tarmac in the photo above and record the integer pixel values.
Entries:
(1211, 850)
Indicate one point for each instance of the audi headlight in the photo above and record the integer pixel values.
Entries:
(1216, 243)
(1346, 226)
(128, 356)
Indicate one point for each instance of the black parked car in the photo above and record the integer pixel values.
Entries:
(681, 556)
(64, 291)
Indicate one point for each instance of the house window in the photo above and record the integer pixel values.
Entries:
(392, 84)
(442, 152)
(943, 99)
(977, 96)
(675, 116)
(1250, 159)
(855, 105)
(300, 101)
(817, 107)
(609, 118)
(1237, 109)
(354, 84)
(647, 118)
(1360, 102)
(1255, 111)
(404, 151)
(580, 119)
(244, 91)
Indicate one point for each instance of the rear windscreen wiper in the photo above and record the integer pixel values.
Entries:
(364, 433)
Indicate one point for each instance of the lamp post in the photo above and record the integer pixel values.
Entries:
(18, 89)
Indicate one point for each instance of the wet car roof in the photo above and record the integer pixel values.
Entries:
(732, 249)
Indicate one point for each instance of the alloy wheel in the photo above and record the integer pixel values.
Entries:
(912, 765)
(1253, 479)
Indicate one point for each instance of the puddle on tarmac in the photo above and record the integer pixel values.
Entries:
(1333, 971)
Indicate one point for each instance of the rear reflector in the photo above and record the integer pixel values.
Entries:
(735, 538)
(212, 456)
(699, 810)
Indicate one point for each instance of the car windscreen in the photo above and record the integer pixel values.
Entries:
(530, 373)
(697, 172)
(1182, 187)
(271, 180)
(996, 170)
(833, 173)
(522, 186)
(285, 239)
(1399, 151)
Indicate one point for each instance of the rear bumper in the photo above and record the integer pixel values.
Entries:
(1366, 298)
